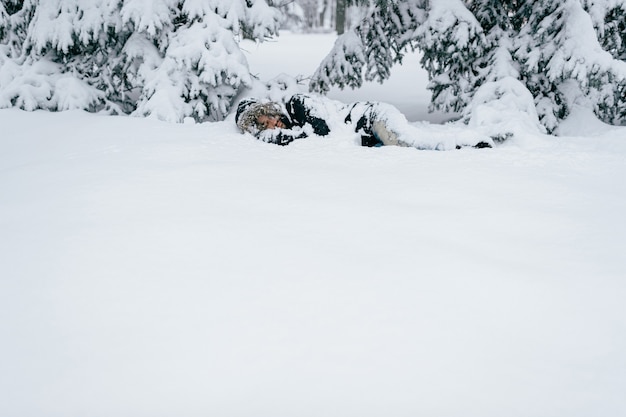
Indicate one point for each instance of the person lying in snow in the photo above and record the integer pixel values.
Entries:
(378, 124)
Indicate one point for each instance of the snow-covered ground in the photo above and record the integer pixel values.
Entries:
(152, 269)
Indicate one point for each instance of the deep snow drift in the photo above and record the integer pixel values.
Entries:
(152, 269)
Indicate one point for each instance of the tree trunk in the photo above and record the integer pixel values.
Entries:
(323, 10)
(340, 17)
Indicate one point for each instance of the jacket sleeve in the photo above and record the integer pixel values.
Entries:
(300, 114)
(280, 137)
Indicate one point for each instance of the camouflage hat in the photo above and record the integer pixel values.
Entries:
(243, 106)
(248, 112)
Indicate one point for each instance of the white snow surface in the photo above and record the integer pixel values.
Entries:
(154, 269)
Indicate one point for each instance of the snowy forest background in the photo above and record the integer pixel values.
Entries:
(169, 265)
(175, 59)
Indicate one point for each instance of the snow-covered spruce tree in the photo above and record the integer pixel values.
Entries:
(444, 30)
(609, 20)
(372, 47)
(467, 50)
(4, 22)
(497, 53)
(195, 67)
(500, 103)
(451, 40)
(167, 58)
(563, 63)
(14, 18)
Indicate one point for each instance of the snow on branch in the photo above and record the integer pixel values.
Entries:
(168, 58)
(343, 67)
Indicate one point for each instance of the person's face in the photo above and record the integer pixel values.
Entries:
(270, 122)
